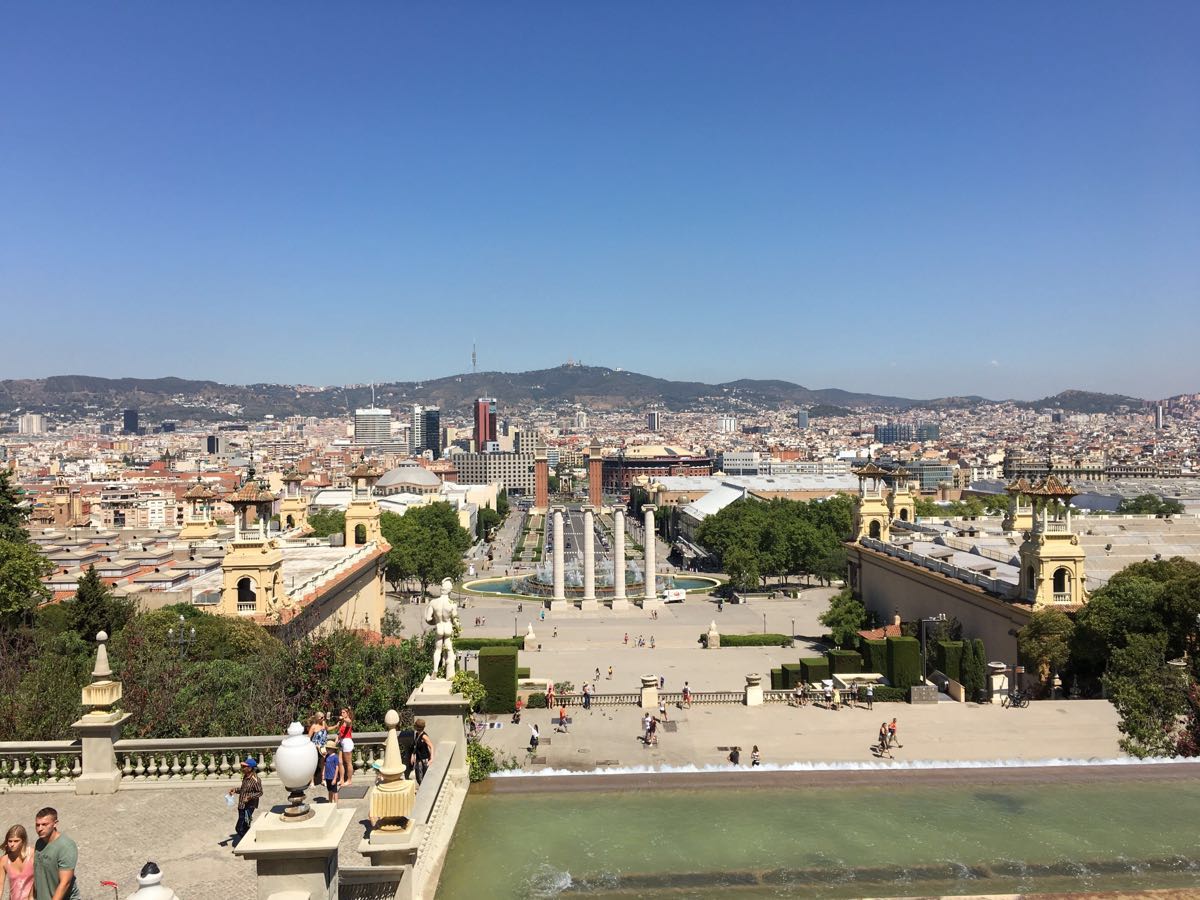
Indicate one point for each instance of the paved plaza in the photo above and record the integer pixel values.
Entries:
(186, 830)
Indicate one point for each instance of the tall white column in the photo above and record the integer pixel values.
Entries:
(589, 559)
(651, 598)
(619, 601)
(560, 588)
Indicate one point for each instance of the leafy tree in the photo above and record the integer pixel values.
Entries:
(974, 669)
(1045, 643)
(94, 608)
(325, 522)
(427, 545)
(1148, 694)
(1150, 505)
(502, 506)
(487, 519)
(844, 618)
(13, 515)
(469, 685)
(22, 569)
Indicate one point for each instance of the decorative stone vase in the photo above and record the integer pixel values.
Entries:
(295, 762)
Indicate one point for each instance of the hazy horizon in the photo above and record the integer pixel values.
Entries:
(352, 383)
(916, 201)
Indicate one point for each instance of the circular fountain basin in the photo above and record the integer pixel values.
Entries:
(504, 587)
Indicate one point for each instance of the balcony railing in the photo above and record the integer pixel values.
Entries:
(1062, 596)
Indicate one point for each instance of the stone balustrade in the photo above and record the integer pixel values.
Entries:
(155, 763)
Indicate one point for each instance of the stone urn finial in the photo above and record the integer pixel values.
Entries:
(391, 801)
(104, 692)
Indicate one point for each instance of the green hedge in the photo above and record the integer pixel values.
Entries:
(948, 659)
(522, 672)
(885, 694)
(904, 661)
(814, 669)
(480, 643)
(754, 640)
(792, 675)
(844, 661)
(777, 680)
(537, 700)
(498, 673)
(874, 654)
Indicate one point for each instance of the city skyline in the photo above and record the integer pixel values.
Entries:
(925, 202)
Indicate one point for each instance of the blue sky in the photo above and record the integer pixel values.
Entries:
(917, 199)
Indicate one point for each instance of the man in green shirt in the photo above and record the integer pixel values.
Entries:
(55, 856)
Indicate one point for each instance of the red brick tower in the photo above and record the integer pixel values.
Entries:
(595, 474)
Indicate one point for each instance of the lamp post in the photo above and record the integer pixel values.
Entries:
(793, 628)
(764, 623)
(184, 639)
(940, 617)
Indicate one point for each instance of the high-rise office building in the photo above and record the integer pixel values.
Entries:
(928, 431)
(893, 433)
(372, 425)
(129, 422)
(216, 445)
(431, 430)
(32, 423)
(1159, 417)
(485, 423)
(653, 420)
(802, 418)
(416, 431)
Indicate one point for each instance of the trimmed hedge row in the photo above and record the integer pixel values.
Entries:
(792, 675)
(777, 680)
(480, 643)
(949, 655)
(814, 669)
(537, 700)
(904, 661)
(498, 674)
(874, 654)
(754, 640)
(522, 672)
(844, 661)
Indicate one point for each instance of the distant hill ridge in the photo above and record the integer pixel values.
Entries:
(595, 387)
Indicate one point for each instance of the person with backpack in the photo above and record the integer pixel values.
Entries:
(422, 750)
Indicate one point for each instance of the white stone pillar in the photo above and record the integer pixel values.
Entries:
(651, 600)
(619, 601)
(560, 575)
(589, 559)
(754, 690)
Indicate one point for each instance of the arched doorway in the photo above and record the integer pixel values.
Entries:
(875, 530)
(291, 522)
(360, 534)
(904, 514)
(247, 599)
(1062, 584)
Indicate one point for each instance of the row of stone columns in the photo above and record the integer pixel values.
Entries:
(619, 599)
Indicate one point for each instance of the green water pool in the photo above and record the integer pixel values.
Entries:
(888, 840)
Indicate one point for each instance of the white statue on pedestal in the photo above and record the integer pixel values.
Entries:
(442, 614)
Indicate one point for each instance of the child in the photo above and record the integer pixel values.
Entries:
(333, 770)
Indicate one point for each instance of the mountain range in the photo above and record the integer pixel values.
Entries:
(592, 387)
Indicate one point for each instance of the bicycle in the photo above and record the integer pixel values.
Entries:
(1016, 699)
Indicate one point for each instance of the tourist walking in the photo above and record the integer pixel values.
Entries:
(318, 733)
(755, 757)
(646, 729)
(249, 792)
(627, 639)
(587, 698)
(422, 750)
(735, 755)
(16, 864)
(610, 673)
(871, 696)
(534, 738)
(562, 720)
(597, 678)
(883, 741)
(55, 857)
(687, 695)
(892, 738)
(333, 770)
(652, 731)
(345, 734)
(550, 695)
(516, 719)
